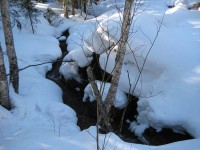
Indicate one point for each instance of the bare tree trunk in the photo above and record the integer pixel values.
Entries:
(100, 105)
(73, 7)
(120, 55)
(4, 94)
(14, 74)
(66, 8)
(81, 7)
(86, 5)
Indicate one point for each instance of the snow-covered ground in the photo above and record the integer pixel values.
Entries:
(40, 120)
(120, 98)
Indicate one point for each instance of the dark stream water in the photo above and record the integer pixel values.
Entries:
(86, 111)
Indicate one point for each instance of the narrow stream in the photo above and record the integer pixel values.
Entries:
(86, 111)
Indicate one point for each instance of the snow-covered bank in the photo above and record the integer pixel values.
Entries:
(38, 109)
(120, 100)
(170, 80)
(33, 140)
(169, 85)
(41, 121)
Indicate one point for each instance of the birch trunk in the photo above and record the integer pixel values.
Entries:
(14, 74)
(4, 94)
(120, 55)
(100, 105)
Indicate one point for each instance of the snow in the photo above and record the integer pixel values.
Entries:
(178, 2)
(62, 38)
(138, 130)
(167, 74)
(39, 102)
(70, 71)
(168, 77)
(173, 82)
(82, 140)
(83, 58)
(120, 98)
(168, 88)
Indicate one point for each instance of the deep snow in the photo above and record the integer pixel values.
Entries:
(40, 120)
(169, 83)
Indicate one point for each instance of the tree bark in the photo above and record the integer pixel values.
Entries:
(14, 74)
(85, 6)
(120, 55)
(73, 7)
(81, 7)
(4, 93)
(66, 9)
(100, 105)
